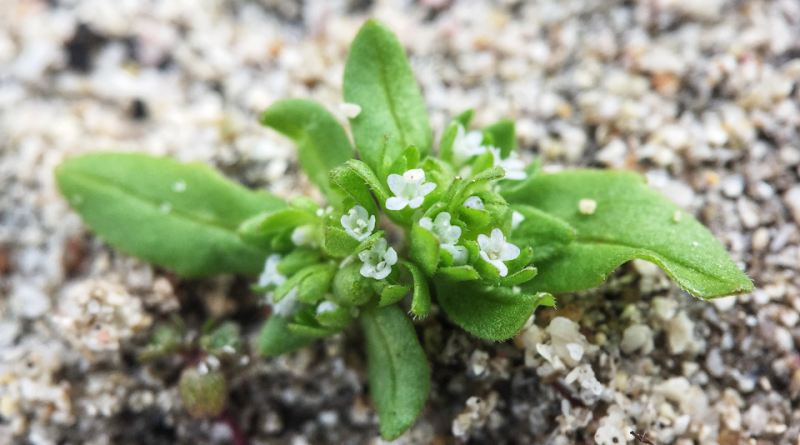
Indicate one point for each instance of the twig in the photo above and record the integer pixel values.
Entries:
(641, 438)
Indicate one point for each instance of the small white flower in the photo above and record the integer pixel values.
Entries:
(304, 236)
(409, 189)
(466, 145)
(378, 260)
(358, 223)
(473, 202)
(289, 305)
(270, 274)
(448, 236)
(516, 219)
(326, 306)
(515, 169)
(495, 250)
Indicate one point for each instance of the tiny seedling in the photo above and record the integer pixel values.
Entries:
(470, 227)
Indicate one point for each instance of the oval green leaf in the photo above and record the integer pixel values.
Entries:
(321, 141)
(492, 313)
(378, 78)
(181, 216)
(630, 221)
(399, 376)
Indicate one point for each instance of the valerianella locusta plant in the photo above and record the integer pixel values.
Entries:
(470, 226)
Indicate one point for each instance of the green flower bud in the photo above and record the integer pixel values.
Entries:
(350, 288)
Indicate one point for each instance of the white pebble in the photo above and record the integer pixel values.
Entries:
(637, 337)
(351, 111)
(587, 206)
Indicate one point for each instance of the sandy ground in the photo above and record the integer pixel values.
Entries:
(700, 96)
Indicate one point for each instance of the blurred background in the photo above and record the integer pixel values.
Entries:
(701, 96)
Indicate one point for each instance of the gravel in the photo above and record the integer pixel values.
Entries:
(699, 96)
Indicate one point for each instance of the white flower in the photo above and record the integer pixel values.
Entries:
(326, 306)
(516, 219)
(515, 169)
(495, 250)
(358, 223)
(270, 274)
(473, 202)
(467, 145)
(289, 305)
(410, 189)
(378, 260)
(448, 236)
(304, 236)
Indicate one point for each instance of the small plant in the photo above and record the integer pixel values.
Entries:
(205, 360)
(473, 228)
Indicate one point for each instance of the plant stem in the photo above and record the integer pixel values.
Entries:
(238, 435)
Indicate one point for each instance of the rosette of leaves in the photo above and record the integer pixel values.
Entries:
(486, 237)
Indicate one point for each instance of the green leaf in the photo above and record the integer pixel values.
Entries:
(321, 141)
(298, 259)
(399, 376)
(464, 118)
(544, 233)
(311, 331)
(503, 136)
(338, 243)
(457, 273)
(408, 160)
(358, 180)
(521, 276)
(181, 216)
(424, 249)
(390, 293)
(297, 279)
(316, 284)
(276, 338)
(474, 218)
(492, 313)
(249, 233)
(446, 144)
(489, 174)
(378, 78)
(631, 221)
(421, 300)
(337, 319)
(286, 219)
(222, 340)
(369, 241)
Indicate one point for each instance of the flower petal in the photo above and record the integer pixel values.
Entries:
(415, 203)
(483, 241)
(383, 273)
(390, 256)
(509, 252)
(501, 267)
(367, 270)
(396, 203)
(396, 184)
(426, 223)
(426, 188)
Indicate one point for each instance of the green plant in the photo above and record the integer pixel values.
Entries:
(486, 236)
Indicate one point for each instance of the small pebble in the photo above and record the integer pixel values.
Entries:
(587, 206)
